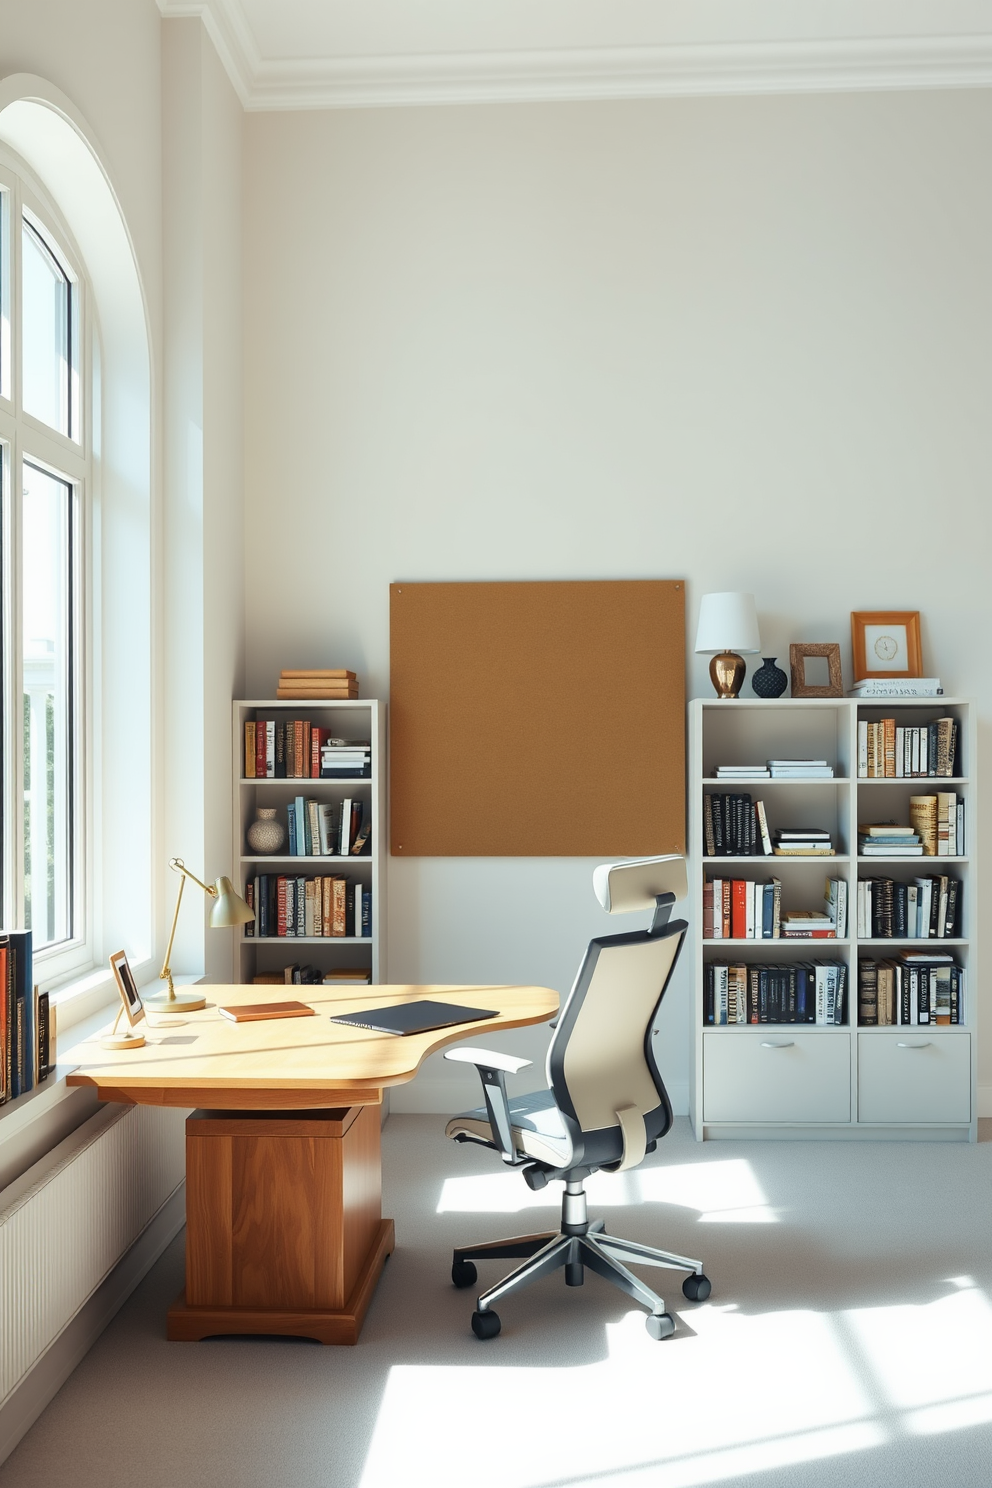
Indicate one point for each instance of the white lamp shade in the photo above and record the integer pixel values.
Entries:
(727, 622)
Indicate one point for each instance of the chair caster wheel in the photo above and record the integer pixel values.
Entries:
(463, 1274)
(485, 1324)
(696, 1288)
(660, 1324)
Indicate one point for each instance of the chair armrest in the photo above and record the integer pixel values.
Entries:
(487, 1059)
(493, 1069)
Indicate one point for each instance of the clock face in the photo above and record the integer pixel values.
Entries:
(886, 647)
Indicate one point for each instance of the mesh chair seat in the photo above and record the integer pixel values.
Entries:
(536, 1126)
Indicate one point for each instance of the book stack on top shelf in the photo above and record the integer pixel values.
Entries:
(878, 1036)
(330, 683)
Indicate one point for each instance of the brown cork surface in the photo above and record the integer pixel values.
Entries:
(537, 719)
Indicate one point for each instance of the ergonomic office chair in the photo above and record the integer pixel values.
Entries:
(606, 1107)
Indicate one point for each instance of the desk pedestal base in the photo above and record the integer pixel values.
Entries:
(189, 1324)
(284, 1227)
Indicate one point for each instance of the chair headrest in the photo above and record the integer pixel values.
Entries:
(636, 884)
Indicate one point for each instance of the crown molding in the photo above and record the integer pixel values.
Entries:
(829, 66)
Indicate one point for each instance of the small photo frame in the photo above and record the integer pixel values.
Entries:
(134, 1009)
(799, 652)
(886, 643)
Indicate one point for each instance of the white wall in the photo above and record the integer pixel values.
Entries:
(745, 342)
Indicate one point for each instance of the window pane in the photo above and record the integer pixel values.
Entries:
(44, 333)
(46, 588)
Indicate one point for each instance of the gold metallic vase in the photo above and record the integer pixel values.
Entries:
(727, 671)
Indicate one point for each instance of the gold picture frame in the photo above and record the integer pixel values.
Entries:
(886, 643)
(798, 653)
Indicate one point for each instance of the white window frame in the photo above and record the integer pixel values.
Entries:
(68, 458)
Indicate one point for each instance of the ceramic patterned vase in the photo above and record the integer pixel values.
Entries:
(769, 681)
(266, 835)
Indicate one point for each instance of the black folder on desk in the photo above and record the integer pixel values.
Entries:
(414, 1017)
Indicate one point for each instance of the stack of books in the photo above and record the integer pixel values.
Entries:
(888, 751)
(27, 1021)
(800, 769)
(886, 840)
(344, 760)
(802, 842)
(899, 687)
(329, 683)
(742, 772)
(739, 909)
(807, 924)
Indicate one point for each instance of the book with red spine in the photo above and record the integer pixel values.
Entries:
(738, 910)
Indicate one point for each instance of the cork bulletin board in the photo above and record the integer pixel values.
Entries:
(537, 719)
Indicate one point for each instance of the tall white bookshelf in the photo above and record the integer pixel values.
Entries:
(799, 1080)
(352, 720)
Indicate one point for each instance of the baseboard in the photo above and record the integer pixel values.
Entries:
(29, 1398)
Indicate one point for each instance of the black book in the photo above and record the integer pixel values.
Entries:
(7, 1027)
(414, 1017)
(923, 994)
(934, 906)
(867, 994)
(280, 751)
(951, 918)
(716, 815)
(900, 920)
(709, 1000)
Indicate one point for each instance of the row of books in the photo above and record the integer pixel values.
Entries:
(286, 905)
(296, 749)
(742, 909)
(27, 1020)
(888, 751)
(803, 992)
(938, 821)
(317, 682)
(910, 989)
(322, 829)
(926, 909)
(312, 976)
(734, 826)
(777, 769)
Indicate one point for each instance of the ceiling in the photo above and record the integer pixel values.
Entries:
(373, 53)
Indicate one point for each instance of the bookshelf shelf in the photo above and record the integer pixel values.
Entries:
(918, 1081)
(353, 720)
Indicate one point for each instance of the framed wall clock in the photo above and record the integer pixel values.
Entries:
(886, 643)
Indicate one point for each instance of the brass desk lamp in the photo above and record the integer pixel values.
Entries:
(229, 909)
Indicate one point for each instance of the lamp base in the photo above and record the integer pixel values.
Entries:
(182, 1002)
(727, 671)
(123, 1040)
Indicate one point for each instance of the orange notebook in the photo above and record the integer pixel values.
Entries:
(252, 1012)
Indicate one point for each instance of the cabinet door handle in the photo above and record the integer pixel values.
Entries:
(789, 1045)
(925, 1045)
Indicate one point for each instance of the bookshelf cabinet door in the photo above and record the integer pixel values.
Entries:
(918, 1075)
(777, 1074)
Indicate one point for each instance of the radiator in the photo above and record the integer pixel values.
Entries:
(70, 1218)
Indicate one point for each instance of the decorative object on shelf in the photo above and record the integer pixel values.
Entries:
(266, 835)
(333, 683)
(728, 623)
(886, 643)
(131, 1007)
(769, 681)
(229, 909)
(798, 654)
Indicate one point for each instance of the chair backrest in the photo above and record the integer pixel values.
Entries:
(601, 1064)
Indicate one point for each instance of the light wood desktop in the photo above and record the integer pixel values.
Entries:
(284, 1227)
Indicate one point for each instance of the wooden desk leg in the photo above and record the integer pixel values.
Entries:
(284, 1232)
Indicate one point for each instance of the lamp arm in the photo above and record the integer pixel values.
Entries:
(166, 972)
(178, 866)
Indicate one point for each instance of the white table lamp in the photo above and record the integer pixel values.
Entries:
(728, 623)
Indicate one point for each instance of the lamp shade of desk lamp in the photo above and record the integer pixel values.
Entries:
(728, 623)
(228, 909)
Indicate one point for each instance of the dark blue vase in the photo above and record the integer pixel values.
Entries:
(769, 681)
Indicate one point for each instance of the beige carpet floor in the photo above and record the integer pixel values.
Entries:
(848, 1341)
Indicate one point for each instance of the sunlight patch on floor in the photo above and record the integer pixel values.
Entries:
(723, 1192)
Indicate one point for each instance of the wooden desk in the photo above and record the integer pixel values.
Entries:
(284, 1227)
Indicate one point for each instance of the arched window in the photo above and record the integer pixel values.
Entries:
(45, 473)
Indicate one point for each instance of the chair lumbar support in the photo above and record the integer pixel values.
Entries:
(576, 1245)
